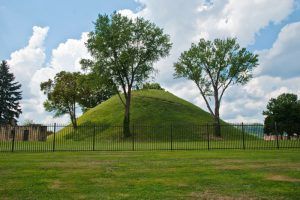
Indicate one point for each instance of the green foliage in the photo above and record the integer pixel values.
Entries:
(62, 94)
(68, 90)
(214, 66)
(154, 86)
(124, 50)
(93, 91)
(285, 111)
(10, 95)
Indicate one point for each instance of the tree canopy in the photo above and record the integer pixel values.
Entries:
(124, 50)
(62, 95)
(10, 96)
(67, 91)
(155, 86)
(214, 66)
(93, 91)
(285, 112)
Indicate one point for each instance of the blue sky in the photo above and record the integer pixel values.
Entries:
(268, 35)
(66, 18)
(40, 38)
(69, 18)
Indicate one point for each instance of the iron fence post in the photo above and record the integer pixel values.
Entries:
(243, 132)
(207, 132)
(171, 137)
(94, 137)
(276, 132)
(132, 137)
(54, 132)
(13, 140)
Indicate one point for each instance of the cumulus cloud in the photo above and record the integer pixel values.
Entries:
(282, 59)
(30, 68)
(247, 103)
(26, 61)
(244, 19)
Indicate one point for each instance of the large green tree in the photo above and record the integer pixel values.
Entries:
(214, 66)
(93, 91)
(69, 90)
(62, 95)
(124, 50)
(10, 95)
(285, 112)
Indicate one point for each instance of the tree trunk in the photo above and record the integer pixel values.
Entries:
(126, 122)
(217, 125)
(73, 120)
(75, 123)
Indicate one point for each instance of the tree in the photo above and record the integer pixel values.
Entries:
(124, 50)
(62, 94)
(155, 86)
(10, 95)
(285, 111)
(214, 66)
(93, 91)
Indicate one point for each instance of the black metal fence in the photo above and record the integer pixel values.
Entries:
(39, 138)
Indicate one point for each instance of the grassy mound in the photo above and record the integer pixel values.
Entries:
(155, 114)
(154, 107)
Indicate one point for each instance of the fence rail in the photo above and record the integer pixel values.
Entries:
(42, 138)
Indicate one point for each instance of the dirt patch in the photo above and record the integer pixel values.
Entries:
(222, 161)
(230, 167)
(291, 166)
(56, 184)
(228, 164)
(282, 178)
(76, 165)
(210, 195)
(182, 185)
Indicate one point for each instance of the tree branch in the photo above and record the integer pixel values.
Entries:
(226, 86)
(121, 98)
(203, 95)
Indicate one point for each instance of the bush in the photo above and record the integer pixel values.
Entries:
(155, 86)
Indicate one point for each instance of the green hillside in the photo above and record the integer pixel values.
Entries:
(155, 115)
(152, 107)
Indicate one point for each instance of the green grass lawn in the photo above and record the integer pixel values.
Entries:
(264, 174)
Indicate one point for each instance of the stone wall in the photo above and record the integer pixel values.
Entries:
(33, 132)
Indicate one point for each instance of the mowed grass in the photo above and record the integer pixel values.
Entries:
(264, 174)
(148, 107)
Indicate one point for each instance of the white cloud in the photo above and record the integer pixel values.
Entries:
(244, 19)
(249, 101)
(67, 55)
(26, 61)
(28, 65)
(283, 58)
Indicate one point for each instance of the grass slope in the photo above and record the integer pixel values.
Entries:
(152, 113)
(151, 175)
(148, 107)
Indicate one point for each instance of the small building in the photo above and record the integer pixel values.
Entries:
(275, 137)
(33, 132)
